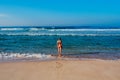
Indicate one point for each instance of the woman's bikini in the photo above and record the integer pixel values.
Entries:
(59, 44)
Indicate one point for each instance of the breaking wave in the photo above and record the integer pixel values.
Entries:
(39, 29)
(19, 56)
(84, 29)
(11, 29)
(52, 34)
(63, 32)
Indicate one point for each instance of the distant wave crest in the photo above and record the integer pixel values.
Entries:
(50, 34)
(63, 32)
(84, 29)
(11, 29)
(39, 29)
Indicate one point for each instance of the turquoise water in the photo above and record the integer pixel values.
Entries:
(78, 41)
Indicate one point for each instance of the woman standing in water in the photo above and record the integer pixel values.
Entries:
(59, 46)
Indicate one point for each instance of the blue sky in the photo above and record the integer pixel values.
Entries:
(60, 12)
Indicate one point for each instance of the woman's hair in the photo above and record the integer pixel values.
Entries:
(59, 39)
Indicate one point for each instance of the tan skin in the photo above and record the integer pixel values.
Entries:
(59, 46)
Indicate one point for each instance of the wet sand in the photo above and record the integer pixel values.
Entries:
(93, 69)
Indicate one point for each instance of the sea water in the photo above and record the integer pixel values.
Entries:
(40, 42)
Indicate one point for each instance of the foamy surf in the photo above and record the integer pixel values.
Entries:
(11, 29)
(55, 34)
(58, 32)
(42, 29)
(24, 56)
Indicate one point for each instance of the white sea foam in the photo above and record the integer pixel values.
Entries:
(10, 29)
(34, 29)
(52, 30)
(58, 34)
(63, 32)
(13, 56)
(84, 29)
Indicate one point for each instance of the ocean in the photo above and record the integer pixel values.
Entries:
(18, 43)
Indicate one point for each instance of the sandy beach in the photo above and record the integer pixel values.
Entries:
(61, 70)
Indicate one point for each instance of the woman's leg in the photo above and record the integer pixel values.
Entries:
(60, 52)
